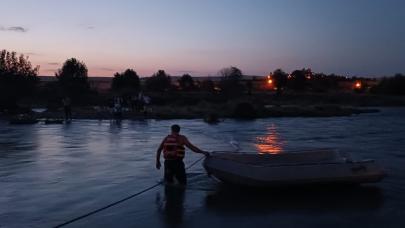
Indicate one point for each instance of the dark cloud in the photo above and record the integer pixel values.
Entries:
(30, 53)
(13, 29)
(105, 69)
(187, 71)
(88, 27)
(17, 29)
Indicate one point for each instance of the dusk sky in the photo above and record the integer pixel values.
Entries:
(350, 37)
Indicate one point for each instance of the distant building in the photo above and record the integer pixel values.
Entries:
(360, 83)
(258, 83)
(43, 80)
(100, 84)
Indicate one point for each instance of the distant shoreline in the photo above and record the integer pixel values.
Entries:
(212, 107)
(185, 113)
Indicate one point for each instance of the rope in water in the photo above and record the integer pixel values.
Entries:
(120, 201)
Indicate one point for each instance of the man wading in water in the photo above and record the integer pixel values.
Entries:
(173, 153)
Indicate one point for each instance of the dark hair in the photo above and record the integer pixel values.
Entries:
(175, 128)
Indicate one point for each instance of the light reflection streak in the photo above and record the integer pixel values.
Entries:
(271, 143)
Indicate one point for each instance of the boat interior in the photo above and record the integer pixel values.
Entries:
(288, 157)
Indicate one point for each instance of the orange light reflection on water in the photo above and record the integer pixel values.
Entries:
(269, 143)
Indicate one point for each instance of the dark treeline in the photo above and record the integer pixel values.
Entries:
(391, 85)
(19, 81)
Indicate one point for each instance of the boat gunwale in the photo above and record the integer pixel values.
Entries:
(302, 164)
(294, 182)
(266, 160)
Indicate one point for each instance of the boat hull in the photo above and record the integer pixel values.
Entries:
(333, 172)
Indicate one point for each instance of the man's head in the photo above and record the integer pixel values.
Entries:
(175, 128)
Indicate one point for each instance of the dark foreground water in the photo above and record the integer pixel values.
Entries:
(50, 174)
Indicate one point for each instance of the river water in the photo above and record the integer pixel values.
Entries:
(50, 174)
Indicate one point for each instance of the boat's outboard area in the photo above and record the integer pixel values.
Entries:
(292, 168)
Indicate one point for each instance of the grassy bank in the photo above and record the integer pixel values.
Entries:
(195, 105)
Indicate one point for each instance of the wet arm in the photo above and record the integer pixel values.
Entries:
(192, 147)
(159, 151)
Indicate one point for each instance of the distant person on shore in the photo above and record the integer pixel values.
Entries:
(140, 104)
(173, 153)
(146, 102)
(67, 103)
(117, 109)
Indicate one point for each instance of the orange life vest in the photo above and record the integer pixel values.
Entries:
(172, 149)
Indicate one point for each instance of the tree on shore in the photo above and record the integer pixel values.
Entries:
(249, 86)
(230, 80)
(298, 80)
(280, 80)
(186, 82)
(127, 82)
(391, 85)
(160, 82)
(17, 78)
(231, 73)
(207, 85)
(73, 78)
(323, 83)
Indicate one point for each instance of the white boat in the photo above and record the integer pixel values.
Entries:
(291, 168)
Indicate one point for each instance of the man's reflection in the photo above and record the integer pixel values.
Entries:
(172, 206)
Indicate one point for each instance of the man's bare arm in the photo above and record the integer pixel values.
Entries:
(158, 152)
(194, 148)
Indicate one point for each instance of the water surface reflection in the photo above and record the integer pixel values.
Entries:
(51, 173)
(315, 199)
(271, 143)
(171, 206)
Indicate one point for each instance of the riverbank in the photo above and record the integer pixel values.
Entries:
(214, 106)
(204, 112)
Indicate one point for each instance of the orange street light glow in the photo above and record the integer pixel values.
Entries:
(358, 85)
(270, 81)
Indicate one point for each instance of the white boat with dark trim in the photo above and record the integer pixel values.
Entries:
(292, 168)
